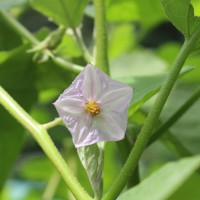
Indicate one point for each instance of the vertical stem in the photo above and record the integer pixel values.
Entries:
(43, 139)
(101, 36)
(152, 118)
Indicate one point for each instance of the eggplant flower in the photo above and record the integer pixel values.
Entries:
(95, 107)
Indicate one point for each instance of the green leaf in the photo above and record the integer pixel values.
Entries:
(189, 190)
(92, 160)
(144, 78)
(17, 76)
(68, 47)
(65, 12)
(181, 14)
(6, 4)
(146, 87)
(8, 38)
(147, 17)
(125, 10)
(196, 6)
(36, 168)
(122, 39)
(164, 182)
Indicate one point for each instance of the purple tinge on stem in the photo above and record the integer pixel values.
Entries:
(95, 107)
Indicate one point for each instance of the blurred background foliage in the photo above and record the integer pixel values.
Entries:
(142, 46)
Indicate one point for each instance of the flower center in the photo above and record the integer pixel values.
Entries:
(92, 107)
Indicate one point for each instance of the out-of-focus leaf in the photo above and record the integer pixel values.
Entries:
(50, 76)
(17, 76)
(181, 14)
(145, 87)
(37, 168)
(189, 190)
(66, 12)
(168, 52)
(8, 38)
(144, 72)
(137, 63)
(118, 10)
(6, 4)
(122, 39)
(68, 47)
(196, 6)
(148, 18)
(172, 175)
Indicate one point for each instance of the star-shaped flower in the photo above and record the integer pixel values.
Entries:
(95, 107)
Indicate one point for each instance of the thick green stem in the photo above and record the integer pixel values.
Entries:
(41, 136)
(101, 36)
(175, 117)
(152, 118)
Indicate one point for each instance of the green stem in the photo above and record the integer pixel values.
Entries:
(41, 136)
(55, 122)
(65, 64)
(150, 122)
(22, 31)
(101, 36)
(175, 117)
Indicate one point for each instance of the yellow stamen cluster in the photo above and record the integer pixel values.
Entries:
(92, 108)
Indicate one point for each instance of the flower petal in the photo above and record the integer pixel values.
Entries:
(116, 99)
(82, 131)
(111, 127)
(92, 87)
(69, 106)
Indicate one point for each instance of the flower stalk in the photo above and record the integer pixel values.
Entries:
(53, 123)
(41, 136)
(152, 118)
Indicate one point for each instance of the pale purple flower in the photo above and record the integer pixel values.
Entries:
(95, 107)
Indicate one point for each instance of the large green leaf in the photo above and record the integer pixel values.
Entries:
(164, 182)
(65, 12)
(181, 14)
(17, 75)
(189, 190)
